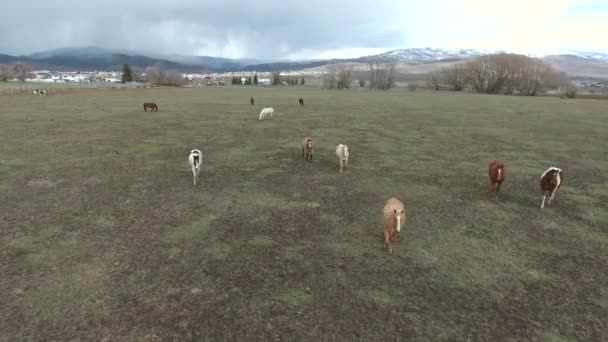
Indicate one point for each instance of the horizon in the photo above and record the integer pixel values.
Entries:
(272, 29)
(363, 53)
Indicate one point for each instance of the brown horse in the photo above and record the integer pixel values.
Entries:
(153, 107)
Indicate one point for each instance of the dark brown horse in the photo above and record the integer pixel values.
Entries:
(301, 101)
(153, 107)
(252, 100)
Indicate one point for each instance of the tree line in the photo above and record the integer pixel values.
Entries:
(340, 76)
(19, 71)
(500, 74)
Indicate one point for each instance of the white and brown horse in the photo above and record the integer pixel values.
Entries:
(550, 181)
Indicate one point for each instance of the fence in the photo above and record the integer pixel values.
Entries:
(28, 87)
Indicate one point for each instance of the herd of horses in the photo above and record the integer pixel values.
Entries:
(394, 209)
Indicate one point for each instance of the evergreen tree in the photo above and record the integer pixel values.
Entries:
(255, 79)
(249, 81)
(127, 74)
(276, 78)
(302, 81)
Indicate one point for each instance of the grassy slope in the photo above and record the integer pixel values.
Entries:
(103, 234)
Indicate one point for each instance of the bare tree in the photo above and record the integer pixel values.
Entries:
(330, 79)
(338, 76)
(539, 76)
(21, 71)
(488, 74)
(174, 78)
(344, 76)
(455, 76)
(510, 73)
(138, 75)
(434, 80)
(382, 75)
(156, 74)
(6, 72)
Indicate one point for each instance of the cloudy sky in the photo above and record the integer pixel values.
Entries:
(299, 29)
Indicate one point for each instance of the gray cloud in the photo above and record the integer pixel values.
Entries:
(231, 28)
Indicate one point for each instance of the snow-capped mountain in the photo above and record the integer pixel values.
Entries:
(433, 54)
(437, 54)
(588, 54)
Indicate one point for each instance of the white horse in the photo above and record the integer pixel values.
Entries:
(266, 113)
(195, 159)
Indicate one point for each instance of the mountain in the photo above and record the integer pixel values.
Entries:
(409, 61)
(590, 55)
(97, 58)
(577, 66)
(431, 54)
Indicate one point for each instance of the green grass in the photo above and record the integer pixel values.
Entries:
(104, 237)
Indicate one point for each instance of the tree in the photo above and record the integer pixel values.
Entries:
(345, 74)
(434, 80)
(382, 75)
(455, 76)
(330, 79)
(511, 73)
(174, 78)
(255, 79)
(276, 78)
(302, 81)
(361, 83)
(338, 76)
(6, 73)
(137, 75)
(571, 92)
(156, 74)
(127, 75)
(21, 71)
(412, 86)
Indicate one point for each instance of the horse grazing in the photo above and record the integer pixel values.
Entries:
(266, 113)
(394, 219)
(301, 100)
(252, 100)
(496, 172)
(550, 181)
(153, 107)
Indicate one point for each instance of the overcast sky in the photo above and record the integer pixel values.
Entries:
(299, 29)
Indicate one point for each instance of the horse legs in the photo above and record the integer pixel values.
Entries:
(542, 204)
(387, 242)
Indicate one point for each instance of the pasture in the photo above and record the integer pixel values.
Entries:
(104, 237)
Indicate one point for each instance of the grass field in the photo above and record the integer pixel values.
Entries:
(104, 238)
